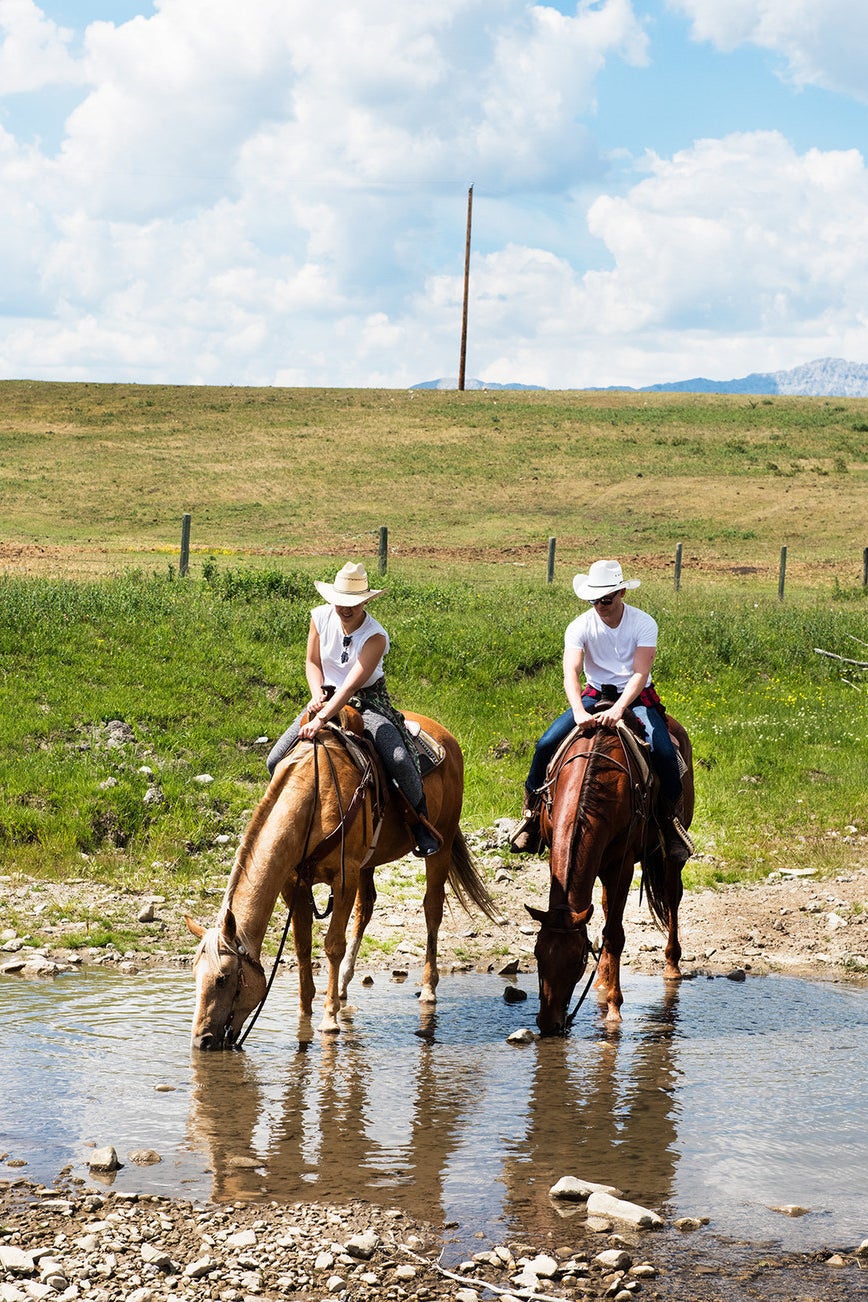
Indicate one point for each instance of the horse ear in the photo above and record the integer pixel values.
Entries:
(228, 927)
(538, 915)
(195, 927)
(580, 919)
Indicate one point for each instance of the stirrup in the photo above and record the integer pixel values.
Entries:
(526, 837)
(679, 839)
(425, 841)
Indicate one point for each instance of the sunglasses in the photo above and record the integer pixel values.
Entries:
(345, 654)
(605, 601)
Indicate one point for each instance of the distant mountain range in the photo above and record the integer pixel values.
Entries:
(829, 377)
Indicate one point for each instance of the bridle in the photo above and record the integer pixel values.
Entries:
(242, 955)
(571, 931)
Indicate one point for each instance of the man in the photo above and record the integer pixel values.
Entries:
(615, 644)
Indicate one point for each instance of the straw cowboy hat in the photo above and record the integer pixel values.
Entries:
(350, 587)
(602, 578)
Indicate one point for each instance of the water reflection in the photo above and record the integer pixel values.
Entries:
(604, 1111)
(348, 1120)
(711, 1098)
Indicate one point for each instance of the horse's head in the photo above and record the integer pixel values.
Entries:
(561, 952)
(230, 983)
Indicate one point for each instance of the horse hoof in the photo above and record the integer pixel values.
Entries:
(427, 996)
(672, 974)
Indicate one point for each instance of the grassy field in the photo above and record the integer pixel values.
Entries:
(98, 477)
(95, 625)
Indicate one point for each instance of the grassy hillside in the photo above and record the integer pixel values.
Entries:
(99, 476)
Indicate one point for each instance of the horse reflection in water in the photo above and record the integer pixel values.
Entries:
(345, 1122)
(603, 1111)
(599, 824)
(321, 821)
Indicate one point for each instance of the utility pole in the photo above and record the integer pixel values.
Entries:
(463, 359)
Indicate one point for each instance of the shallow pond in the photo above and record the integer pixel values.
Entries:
(715, 1098)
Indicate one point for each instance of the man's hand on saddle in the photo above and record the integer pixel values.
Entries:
(605, 718)
(582, 719)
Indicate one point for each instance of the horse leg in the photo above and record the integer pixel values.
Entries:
(673, 891)
(437, 870)
(335, 947)
(302, 935)
(612, 947)
(365, 900)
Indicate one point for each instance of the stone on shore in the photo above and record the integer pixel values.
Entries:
(571, 1189)
(603, 1204)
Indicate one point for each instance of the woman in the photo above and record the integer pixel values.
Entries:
(344, 665)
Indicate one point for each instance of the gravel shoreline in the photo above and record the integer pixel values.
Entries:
(70, 1243)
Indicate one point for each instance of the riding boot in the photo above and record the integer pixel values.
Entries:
(676, 839)
(526, 837)
(426, 839)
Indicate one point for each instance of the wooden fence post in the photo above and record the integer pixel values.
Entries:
(383, 552)
(678, 551)
(184, 563)
(782, 575)
(550, 569)
(865, 567)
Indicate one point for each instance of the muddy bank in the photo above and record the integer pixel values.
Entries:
(801, 925)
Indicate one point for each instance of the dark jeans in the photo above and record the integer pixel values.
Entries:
(657, 734)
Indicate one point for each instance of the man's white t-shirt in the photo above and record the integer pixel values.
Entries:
(608, 652)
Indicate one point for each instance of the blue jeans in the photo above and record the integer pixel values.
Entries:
(656, 732)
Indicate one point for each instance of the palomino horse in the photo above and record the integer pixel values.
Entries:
(319, 801)
(599, 825)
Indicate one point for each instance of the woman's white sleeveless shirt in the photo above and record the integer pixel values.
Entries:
(327, 623)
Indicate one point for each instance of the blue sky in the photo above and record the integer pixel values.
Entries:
(195, 191)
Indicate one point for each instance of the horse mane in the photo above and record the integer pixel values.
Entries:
(592, 805)
(591, 802)
(261, 814)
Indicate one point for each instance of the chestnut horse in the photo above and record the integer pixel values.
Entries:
(319, 798)
(599, 824)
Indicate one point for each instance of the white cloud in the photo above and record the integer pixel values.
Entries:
(236, 187)
(738, 253)
(824, 42)
(34, 52)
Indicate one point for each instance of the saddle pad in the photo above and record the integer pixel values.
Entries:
(431, 753)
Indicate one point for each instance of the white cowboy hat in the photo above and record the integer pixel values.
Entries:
(602, 578)
(350, 587)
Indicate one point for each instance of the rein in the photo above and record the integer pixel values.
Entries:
(571, 1017)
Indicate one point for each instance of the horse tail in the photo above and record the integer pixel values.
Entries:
(466, 881)
(654, 876)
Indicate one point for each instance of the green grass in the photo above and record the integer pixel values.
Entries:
(201, 670)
